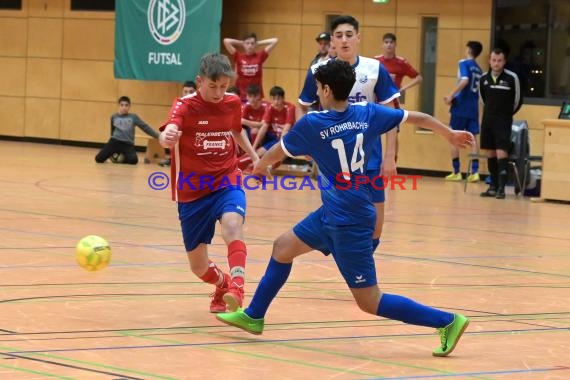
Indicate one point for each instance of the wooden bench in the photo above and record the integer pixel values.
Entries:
(154, 151)
(298, 166)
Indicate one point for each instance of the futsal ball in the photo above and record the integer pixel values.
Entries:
(93, 253)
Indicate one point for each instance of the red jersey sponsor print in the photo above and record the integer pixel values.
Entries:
(276, 118)
(206, 151)
(249, 71)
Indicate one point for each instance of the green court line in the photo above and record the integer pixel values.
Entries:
(361, 323)
(258, 356)
(92, 364)
(393, 363)
(294, 346)
(99, 365)
(36, 372)
(102, 297)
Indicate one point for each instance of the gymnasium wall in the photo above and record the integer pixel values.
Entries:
(56, 75)
(56, 65)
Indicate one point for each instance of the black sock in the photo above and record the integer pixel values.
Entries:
(502, 164)
(493, 171)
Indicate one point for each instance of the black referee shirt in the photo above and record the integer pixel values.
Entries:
(502, 95)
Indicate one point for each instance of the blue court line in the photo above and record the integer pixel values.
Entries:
(257, 341)
(503, 372)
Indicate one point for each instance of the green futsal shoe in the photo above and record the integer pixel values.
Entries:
(450, 335)
(243, 321)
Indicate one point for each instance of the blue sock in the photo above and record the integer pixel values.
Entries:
(406, 310)
(375, 244)
(456, 165)
(275, 276)
(475, 166)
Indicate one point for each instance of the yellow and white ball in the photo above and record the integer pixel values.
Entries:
(93, 253)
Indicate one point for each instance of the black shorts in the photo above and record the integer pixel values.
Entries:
(496, 133)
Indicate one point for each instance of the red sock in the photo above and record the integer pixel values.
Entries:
(237, 253)
(214, 276)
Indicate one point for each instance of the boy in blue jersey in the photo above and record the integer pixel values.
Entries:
(340, 140)
(373, 84)
(464, 102)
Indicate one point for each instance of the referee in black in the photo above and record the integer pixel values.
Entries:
(501, 94)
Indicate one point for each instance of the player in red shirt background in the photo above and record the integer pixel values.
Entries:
(200, 131)
(249, 64)
(251, 119)
(277, 120)
(253, 111)
(397, 66)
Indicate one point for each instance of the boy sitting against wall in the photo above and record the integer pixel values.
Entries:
(121, 146)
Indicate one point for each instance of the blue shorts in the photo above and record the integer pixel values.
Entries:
(269, 143)
(198, 218)
(459, 123)
(351, 247)
(378, 195)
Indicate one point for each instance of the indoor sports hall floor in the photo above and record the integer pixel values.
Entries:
(505, 264)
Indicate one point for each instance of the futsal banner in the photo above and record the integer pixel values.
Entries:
(164, 39)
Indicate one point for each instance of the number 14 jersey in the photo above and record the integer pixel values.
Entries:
(341, 143)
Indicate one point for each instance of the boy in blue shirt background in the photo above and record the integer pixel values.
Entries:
(464, 102)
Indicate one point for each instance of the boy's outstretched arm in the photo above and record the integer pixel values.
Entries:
(243, 141)
(273, 155)
(460, 139)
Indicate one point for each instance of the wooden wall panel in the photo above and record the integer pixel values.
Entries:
(433, 150)
(88, 80)
(12, 76)
(269, 80)
(68, 13)
(42, 118)
(450, 49)
(534, 115)
(288, 79)
(482, 36)
(45, 37)
(13, 37)
(383, 15)
(408, 45)
(89, 39)
(307, 46)
(266, 12)
(86, 121)
(314, 12)
(476, 14)
(46, 8)
(443, 87)
(151, 114)
(43, 78)
(151, 92)
(371, 40)
(23, 13)
(12, 116)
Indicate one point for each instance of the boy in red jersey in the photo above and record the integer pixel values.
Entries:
(249, 64)
(251, 119)
(200, 132)
(397, 66)
(253, 111)
(277, 120)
